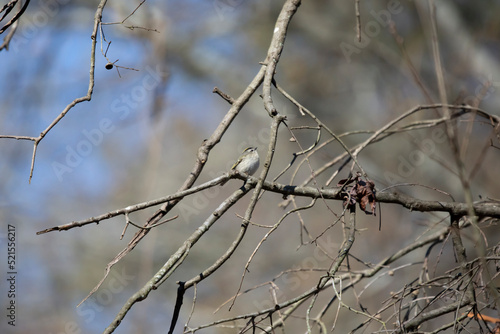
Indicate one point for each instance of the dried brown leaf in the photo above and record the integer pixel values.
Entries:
(363, 193)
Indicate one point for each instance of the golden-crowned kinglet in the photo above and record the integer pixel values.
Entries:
(247, 163)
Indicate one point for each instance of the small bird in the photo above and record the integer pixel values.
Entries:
(247, 163)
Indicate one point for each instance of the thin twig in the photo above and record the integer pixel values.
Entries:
(358, 20)
(15, 17)
(175, 260)
(87, 97)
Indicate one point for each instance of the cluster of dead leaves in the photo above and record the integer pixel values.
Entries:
(362, 192)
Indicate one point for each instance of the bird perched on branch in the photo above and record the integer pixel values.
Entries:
(247, 163)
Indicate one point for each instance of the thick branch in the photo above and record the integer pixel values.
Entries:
(275, 49)
(482, 209)
(174, 260)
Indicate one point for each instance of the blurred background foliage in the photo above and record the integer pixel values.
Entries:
(156, 117)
